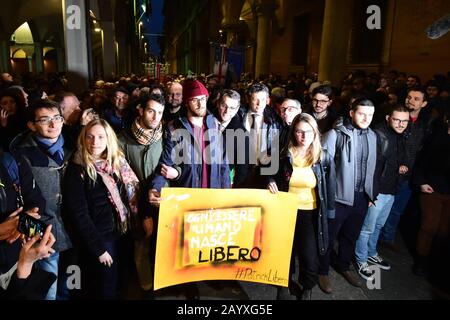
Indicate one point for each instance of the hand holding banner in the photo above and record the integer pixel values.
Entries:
(232, 234)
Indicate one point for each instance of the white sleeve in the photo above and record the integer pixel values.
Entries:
(5, 278)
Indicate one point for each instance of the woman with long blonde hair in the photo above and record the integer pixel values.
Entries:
(100, 198)
(306, 171)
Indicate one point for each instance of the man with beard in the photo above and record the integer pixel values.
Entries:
(321, 108)
(174, 99)
(354, 148)
(203, 166)
(417, 131)
(142, 145)
(203, 161)
(119, 115)
(391, 163)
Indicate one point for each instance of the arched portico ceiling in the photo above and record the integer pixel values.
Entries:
(248, 8)
(15, 13)
(22, 35)
(19, 54)
(50, 29)
(246, 12)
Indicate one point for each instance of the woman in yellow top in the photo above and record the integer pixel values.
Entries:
(308, 172)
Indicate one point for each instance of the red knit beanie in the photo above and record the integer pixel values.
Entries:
(193, 88)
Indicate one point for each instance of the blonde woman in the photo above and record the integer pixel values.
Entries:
(306, 171)
(100, 197)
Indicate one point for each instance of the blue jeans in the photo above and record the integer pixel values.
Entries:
(399, 206)
(50, 265)
(366, 246)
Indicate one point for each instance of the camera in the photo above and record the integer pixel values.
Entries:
(30, 226)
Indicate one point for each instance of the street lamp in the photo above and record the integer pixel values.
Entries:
(144, 8)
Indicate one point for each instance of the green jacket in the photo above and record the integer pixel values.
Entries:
(142, 159)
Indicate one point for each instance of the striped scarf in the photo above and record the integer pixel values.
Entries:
(145, 136)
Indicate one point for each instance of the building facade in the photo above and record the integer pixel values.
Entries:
(330, 37)
(89, 39)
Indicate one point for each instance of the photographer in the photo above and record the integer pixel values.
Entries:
(23, 281)
(16, 180)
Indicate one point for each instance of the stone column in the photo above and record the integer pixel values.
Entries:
(39, 60)
(30, 63)
(108, 49)
(265, 10)
(122, 55)
(74, 21)
(4, 56)
(388, 31)
(60, 60)
(231, 11)
(333, 48)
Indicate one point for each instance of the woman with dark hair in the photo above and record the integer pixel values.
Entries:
(308, 172)
(12, 117)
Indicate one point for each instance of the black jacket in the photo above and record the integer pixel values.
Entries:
(433, 165)
(237, 159)
(88, 213)
(35, 287)
(272, 127)
(416, 133)
(392, 156)
(9, 197)
(325, 191)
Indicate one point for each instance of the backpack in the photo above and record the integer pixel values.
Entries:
(10, 165)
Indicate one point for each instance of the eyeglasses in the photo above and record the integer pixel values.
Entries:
(225, 106)
(320, 101)
(197, 100)
(398, 121)
(301, 132)
(289, 109)
(47, 120)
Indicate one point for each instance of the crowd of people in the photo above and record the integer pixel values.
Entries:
(91, 166)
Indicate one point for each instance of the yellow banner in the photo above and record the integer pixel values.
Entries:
(229, 234)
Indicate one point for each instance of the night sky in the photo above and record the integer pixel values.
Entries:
(154, 25)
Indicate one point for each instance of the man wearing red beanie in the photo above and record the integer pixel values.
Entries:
(193, 154)
(193, 88)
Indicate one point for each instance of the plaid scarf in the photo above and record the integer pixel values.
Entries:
(129, 194)
(146, 136)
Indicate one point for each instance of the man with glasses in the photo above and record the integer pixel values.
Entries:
(174, 99)
(321, 108)
(416, 133)
(119, 115)
(391, 166)
(226, 108)
(43, 150)
(202, 161)
(289, 109)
